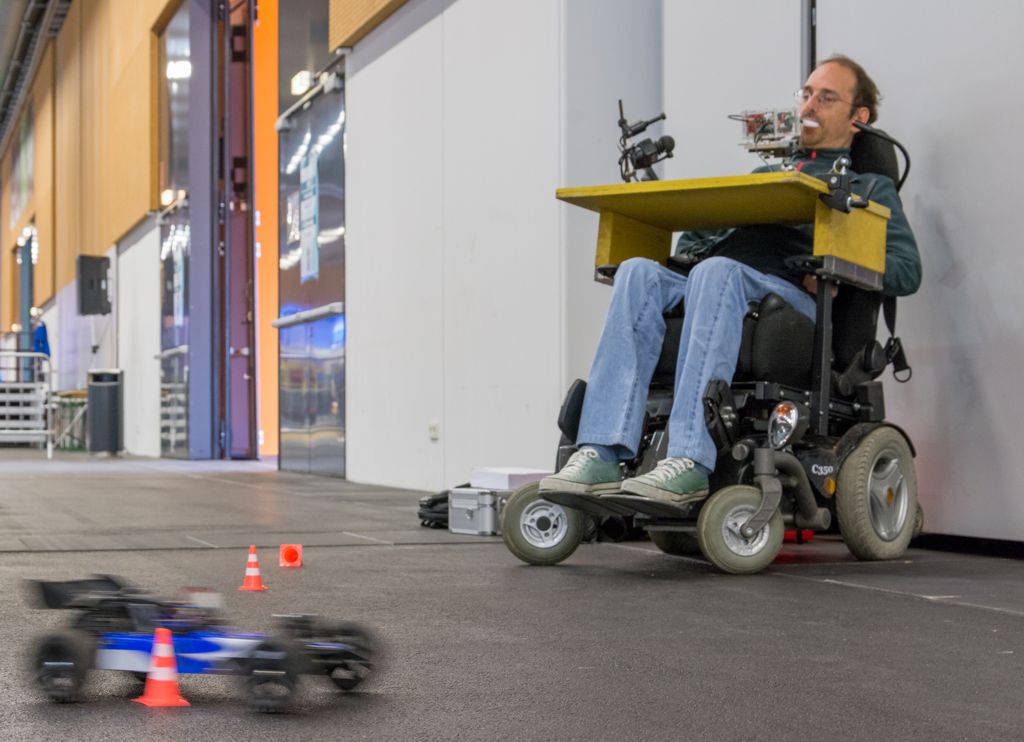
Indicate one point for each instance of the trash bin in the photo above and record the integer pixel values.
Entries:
(105, 410)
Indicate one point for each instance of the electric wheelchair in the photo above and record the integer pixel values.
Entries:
(801, 431)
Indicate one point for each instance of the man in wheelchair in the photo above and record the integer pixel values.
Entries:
(720, 286)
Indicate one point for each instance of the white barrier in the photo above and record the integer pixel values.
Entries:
(26, 385)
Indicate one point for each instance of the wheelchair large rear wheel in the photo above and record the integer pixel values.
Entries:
(718, 531)
(538, 531)
(876, 496)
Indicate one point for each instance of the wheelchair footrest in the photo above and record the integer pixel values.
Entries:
(647, 506)
(590, 504)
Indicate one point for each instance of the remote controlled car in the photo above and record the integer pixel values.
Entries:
(113, 628)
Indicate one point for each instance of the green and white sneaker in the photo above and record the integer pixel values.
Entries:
(677, 481)
(585, 472)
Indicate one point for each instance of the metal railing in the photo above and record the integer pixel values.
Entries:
(26, 385)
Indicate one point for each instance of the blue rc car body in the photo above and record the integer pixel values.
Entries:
(113, 627)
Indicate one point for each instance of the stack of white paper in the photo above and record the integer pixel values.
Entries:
(504, 477)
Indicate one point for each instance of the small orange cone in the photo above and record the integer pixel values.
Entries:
(162, 680)
(252, 572)
(291, 555)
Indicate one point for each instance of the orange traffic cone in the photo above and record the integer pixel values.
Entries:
(291, 555)
(162, 681)
(252, 572)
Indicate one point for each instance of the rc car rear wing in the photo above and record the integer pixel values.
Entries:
(69, 594)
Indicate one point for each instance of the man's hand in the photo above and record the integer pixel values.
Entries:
(811, 286)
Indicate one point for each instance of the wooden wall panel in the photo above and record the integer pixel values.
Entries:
(67, 145)
(351, 20)
(129, 189)
(43, 110)
(128, 185)
(40, 206)
(95, 145)
(93, 111)
(11, 230)
(8, 295)
(106, 84)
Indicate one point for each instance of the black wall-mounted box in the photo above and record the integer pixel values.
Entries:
(92, 285)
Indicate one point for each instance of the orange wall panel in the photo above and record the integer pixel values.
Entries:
(67, 146)
(128, 184)
(94, 81)
(265, 54)
(39, 207)
(43, 110)
(94, 142)
(8, 295)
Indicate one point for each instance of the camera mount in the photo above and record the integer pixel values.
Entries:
(643, 155)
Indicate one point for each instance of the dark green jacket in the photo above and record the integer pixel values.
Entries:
(766, 247)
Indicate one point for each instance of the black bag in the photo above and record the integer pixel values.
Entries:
(433, 510)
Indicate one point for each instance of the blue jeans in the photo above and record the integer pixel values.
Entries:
(716, 292)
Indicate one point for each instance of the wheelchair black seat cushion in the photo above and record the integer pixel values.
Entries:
(777, 344)
(778, 341)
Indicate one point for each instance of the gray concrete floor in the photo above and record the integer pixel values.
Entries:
(619, 642)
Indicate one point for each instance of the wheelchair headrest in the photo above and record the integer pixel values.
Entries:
(872, 154)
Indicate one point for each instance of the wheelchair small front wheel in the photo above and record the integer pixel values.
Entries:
(719, 536)
(876, 496)
(538, 531)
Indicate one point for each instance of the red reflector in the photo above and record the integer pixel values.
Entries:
(798, 537)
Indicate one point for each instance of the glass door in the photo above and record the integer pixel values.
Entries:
(175, 236)
(312, 285)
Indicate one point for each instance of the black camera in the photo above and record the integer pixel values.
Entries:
(643, 155)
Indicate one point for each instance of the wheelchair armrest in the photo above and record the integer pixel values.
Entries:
(808, 264)
(678, 263)
(837, 270)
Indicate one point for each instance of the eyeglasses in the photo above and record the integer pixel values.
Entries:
(826, 98)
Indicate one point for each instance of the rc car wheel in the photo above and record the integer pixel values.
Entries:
(538, 531)
(62, 661)
(351, 665)
(675, 543)
(271, 676)
(876, 497)
(918, 521)
(718, 531)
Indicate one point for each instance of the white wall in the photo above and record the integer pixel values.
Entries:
(721, 58)
(394, 251)
(502, 278)
(127, 338)
(453, 250)
(72, 345)
(138, 337)
(610, 50)
(950, 77)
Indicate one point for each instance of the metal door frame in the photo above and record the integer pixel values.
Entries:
(236, 253)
